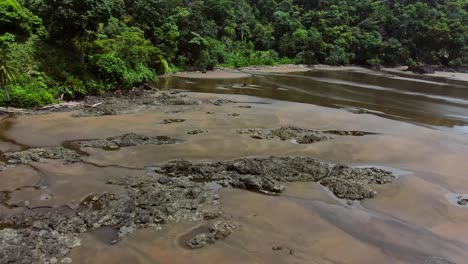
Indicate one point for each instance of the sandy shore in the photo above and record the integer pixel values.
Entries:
(458, 76)
(226, 73)
(216, 74)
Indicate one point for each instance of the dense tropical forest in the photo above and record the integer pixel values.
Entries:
(52, 49)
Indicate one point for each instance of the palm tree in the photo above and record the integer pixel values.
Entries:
(6, 77)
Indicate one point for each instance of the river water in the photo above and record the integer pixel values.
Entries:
(420, 127)
(424, 100)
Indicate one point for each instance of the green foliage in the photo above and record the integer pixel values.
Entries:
(337, 56)
(73, 88)
(28, 92)
(14, 18)
(67, 19)
(123, 56)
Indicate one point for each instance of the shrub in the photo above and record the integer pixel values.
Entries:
(73, 88)
(27, 95)
(337, 56)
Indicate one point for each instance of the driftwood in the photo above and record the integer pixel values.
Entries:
(61, 105)
(69, 105)
(12, 110)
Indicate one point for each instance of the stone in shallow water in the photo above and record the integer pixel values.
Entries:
(170, 121)
(51, 232)
(265, 175)
(221, 102)
(310, 138)
(197, 131)
(176, 191)
(127, 140)
(218, 230)
(39, 154)
(299, 135)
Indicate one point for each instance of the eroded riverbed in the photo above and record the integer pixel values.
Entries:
(261, 183)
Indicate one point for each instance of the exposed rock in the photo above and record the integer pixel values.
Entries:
(211, 214)
(218, 230)
(243, 106)
(255, 133)
(299, 135)
(4, 196)
(134, 101)
(265, 174)
(46, 233)
(349, 133)
(310, 138)
(170, 121)
(197, 131)
(127, 140)
(221, 102)
(234, 114)
(3, 166)
(39, 154)
(66, 260)
(166, 99)
(350, 183)
(287, 133)
(176, 191)
(462, 202)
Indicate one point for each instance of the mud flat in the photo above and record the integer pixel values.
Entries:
(122, 179)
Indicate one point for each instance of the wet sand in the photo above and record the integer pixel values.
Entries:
(412, 220)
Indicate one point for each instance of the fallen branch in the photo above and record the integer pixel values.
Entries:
(61, 105)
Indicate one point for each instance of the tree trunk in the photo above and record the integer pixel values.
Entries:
(82, 53)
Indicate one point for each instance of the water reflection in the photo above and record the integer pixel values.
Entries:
(425, 100)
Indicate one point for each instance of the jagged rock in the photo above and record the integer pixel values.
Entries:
(264, 175)
(127, 140)
(218, 230)
(222, 102)
(39, 154)
(197, 131)
(299, 135)
(170, 121)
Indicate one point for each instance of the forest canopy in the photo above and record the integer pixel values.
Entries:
(71, 48)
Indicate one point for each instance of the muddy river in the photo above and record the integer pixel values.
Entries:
(300, 167)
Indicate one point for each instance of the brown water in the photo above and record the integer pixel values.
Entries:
(413, 220)
(430, 101)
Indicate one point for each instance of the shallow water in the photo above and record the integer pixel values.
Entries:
(413, 220)
(429, 101)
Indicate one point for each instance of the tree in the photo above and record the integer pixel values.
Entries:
(6, 76)
(18, 20)
(67, 20)
(123, 56)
